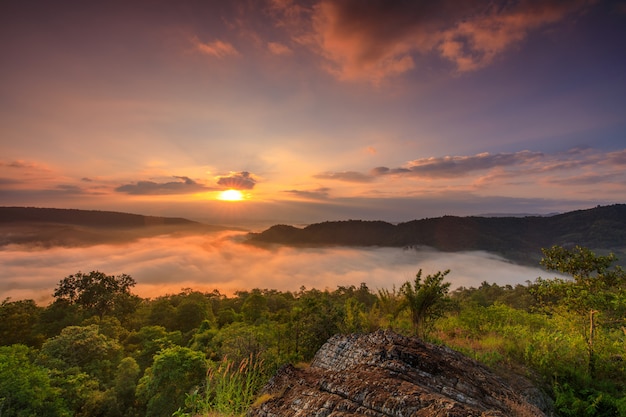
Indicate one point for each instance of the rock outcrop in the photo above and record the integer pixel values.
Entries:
(385, 374)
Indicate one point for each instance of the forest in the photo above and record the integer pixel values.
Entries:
(100, 350)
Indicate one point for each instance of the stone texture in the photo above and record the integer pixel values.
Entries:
(385, 374)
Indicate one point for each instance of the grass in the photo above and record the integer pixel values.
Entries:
(229, 391)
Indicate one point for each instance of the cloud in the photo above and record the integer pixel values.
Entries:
(277, 48)
(217, 48)
(238, 180)
(70, 189)
(185, 186)
(473, 43)
(588, 179)
(617, 157)
(457, 166)
(347, 176)
(319, 194)
(9, 181)
(208, 261)
(24, 165)
(378, 39)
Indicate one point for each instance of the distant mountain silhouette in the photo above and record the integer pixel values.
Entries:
(92, 218)
(48, 227)
(516, 238)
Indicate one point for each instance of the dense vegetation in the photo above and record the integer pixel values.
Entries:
(99, 350)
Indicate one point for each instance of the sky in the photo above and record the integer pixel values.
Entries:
(314, 109)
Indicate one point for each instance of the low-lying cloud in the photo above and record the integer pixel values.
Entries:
(167, 264)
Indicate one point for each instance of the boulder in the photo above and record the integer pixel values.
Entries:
(386, 374)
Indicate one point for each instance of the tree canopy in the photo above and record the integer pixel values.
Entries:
(426, 300)
(94, 291)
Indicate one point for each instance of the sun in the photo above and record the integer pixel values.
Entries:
(230, 195)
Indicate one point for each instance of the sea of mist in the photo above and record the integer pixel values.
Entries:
(166, 264)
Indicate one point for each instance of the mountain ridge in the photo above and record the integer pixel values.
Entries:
(48, 227)
(520, 239)
(92, 218)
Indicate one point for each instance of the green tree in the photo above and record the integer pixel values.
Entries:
(126, 384)
(318, 318)
(162, 313)
(175, 372)
(83, 347)
(426, 300)
(596, 288)
(388, 305)
(25, 388)
(57, 316)
(148, 341)
(355, 320)
(95, 292)
(18, 320)
(193, 309)
(254, 307)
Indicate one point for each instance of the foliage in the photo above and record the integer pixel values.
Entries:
(195, 353)
(83, 347)
(596, 294)
(126, 379)
(94, 291)
(25, 388)
(426, 300)
(17, 323)
(175, 372)
(231, 387)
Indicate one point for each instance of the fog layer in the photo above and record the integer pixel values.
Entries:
(220, 260)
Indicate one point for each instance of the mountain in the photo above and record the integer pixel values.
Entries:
(519, 239)
(49, 227)
(92, 218)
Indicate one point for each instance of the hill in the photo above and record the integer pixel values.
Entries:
(92, 218)
(516, 238)
(49, 227)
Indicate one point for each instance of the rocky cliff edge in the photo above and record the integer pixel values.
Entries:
(386, 374)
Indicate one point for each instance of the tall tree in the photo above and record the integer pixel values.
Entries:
(426, 300)
(596, 290)
(18, 320)
(84, 347)
(95, 291)
(175, 372)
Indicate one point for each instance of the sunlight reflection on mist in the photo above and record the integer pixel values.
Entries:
(167, 264)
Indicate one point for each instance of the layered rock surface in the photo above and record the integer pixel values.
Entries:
(385, 374)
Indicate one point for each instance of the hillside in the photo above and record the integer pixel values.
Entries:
(92, 218)
(49, 227)
(516, 238)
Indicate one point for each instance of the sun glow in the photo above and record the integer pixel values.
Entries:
(230, 195)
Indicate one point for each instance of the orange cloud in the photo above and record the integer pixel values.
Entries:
(474, 43)
(278, 48)
(378, 39)
(217, 48)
